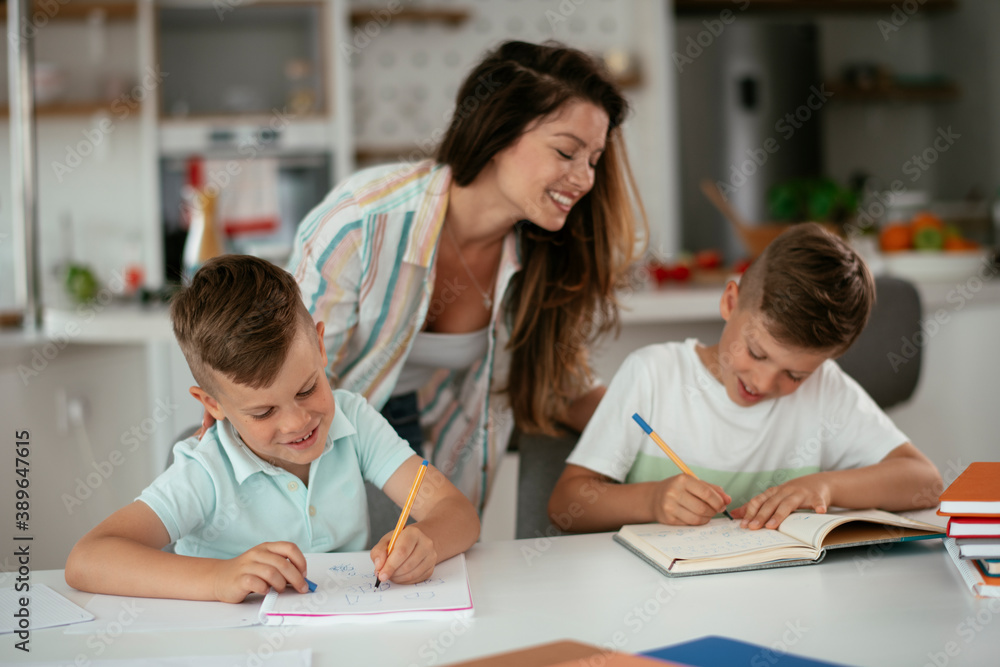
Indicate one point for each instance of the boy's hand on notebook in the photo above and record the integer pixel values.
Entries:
(687, 501)
(770, 508)
(268, 565)
(412, 559)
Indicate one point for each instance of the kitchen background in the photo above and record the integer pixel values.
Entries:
(280, 100)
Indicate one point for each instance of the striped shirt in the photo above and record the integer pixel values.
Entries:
(364, 260)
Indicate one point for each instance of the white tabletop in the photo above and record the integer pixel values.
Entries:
(901, 604)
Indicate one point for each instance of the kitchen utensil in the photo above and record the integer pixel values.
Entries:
(754, 237)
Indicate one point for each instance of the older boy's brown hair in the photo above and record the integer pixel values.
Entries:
(813, 290)
(238, 316)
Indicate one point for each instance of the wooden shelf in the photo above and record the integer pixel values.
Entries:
(631, 79)
(78, 11)
(451, 17)
(389, 154)
(70, 109)
(813, 6)
(938, 92)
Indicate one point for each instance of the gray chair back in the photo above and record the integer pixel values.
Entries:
(886, 358)
(541, 460)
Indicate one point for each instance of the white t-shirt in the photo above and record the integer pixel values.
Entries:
(828, 423)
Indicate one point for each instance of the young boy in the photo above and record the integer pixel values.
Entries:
(765, 418)
(281, 472)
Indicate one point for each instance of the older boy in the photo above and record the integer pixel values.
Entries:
(281, 471)
(765, 418)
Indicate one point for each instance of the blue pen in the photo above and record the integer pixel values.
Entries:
(669, 452)
(312, 586)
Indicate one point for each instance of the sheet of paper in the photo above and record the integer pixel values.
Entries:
(46, 609)
(345, 591)
(719, 537)
(157, 615)
(301, 658)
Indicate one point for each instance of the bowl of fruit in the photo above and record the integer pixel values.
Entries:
(927, 249)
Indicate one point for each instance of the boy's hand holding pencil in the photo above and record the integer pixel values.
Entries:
(684, 499)
(405, 556)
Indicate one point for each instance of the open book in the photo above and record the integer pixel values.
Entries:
(345, 591)
(801, 539)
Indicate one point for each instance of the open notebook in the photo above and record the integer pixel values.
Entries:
(801, 539)
(345, 591)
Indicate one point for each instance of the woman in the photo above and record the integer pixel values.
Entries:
(460, 293)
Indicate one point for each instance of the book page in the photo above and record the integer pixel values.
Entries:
(719, 537)
(345, 591)
(811, 528)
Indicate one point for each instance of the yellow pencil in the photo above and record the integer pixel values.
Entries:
(405, 513)
(669, 452)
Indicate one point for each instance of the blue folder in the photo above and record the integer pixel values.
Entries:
(715, 651)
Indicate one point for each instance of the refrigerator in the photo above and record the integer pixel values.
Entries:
(750, 101)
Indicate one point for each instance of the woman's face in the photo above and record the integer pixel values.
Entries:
(551, 165)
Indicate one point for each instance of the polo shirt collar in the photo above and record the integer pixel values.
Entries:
(246, 463)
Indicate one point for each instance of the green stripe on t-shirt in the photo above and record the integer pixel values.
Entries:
(742, 486)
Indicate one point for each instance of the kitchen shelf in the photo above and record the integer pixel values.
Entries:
(372, 155)
(79, 11)
(940, 92)
(72, 109)
(812, 6)
(451, 17)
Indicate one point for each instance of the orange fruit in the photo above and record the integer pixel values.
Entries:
(958, 244)
(926, 219)
(895, 237)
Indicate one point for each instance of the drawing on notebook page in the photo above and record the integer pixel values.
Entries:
(345, 592)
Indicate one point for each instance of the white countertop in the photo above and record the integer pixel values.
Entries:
(676, 303)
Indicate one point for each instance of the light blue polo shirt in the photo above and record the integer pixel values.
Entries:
(219, 499)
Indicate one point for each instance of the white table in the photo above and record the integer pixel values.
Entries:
(902, 604)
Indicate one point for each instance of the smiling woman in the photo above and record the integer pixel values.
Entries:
(458, 340)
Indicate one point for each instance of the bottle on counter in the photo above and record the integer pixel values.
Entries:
(204, 239)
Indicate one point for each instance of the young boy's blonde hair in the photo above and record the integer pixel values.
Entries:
(813, 290)
(238, 316)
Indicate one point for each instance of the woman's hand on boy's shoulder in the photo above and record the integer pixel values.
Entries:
(206, 423)
(770, 508)
(412, 559)
(268, 565)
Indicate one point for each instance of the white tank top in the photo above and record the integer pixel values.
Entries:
(434, 351)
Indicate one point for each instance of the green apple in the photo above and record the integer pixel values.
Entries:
(928, 238)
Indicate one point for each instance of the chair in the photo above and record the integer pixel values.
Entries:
(541, 462)
(886, 358)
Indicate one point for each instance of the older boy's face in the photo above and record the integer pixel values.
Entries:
(286, 423)
(751, 364)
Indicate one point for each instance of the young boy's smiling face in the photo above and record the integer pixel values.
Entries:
(286, 423)
(750, 363)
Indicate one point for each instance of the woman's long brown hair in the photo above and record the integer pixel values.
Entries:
(564, 298)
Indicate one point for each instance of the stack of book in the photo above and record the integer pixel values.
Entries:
(972, 503)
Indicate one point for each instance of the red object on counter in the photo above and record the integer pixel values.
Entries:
(741, 265)
(708, 259)
(680, 272)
